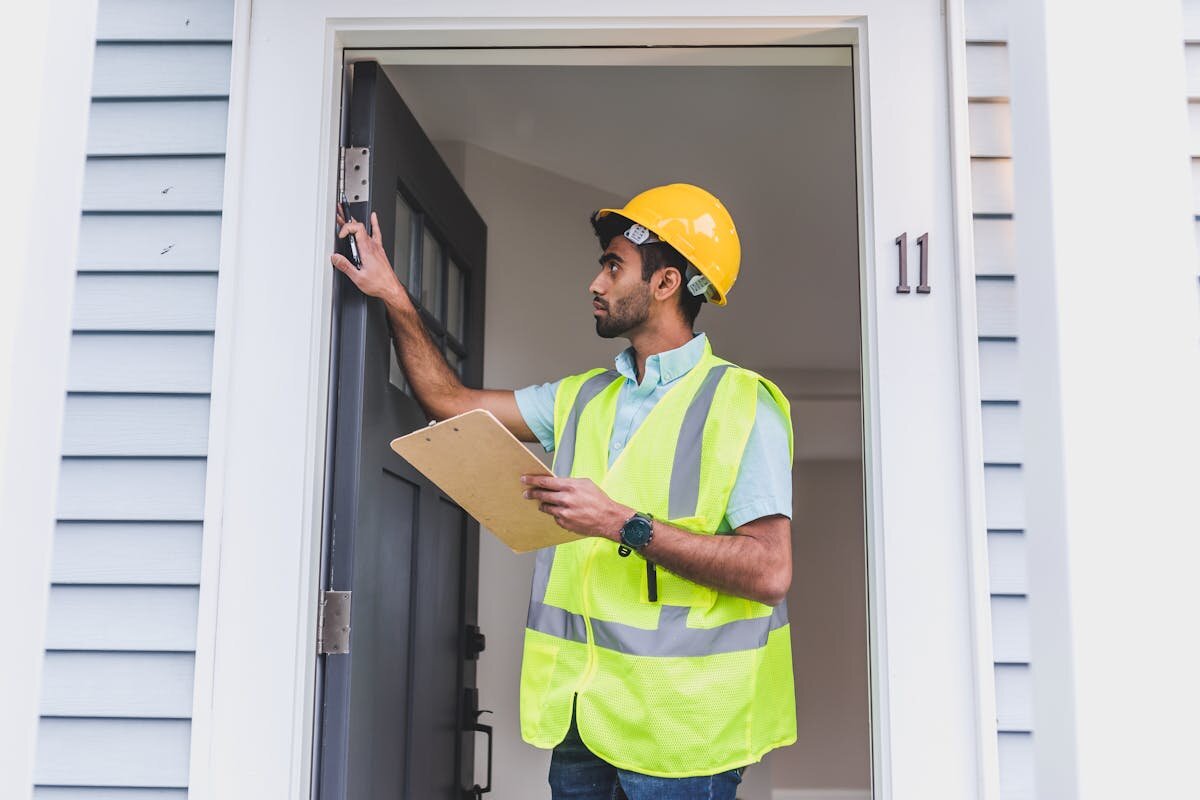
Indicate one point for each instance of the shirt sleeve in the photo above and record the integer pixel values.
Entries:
(536, 404)
(764, 482)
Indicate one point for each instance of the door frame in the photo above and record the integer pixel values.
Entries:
(265, 541)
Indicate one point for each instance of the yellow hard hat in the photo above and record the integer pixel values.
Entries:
(696, 224)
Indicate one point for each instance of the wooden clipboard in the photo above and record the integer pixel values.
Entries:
(479, 463)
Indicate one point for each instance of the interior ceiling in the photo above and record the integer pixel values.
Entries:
(776, 144)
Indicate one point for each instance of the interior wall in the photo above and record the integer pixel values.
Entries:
(541, 258)
(828, 612)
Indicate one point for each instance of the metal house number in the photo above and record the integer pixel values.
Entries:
(923, 246)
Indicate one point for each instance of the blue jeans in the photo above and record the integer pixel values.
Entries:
(576, 773)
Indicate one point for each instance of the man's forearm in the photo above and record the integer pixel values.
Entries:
(742, 564)
(435, 386)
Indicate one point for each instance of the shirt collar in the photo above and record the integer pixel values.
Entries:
(662, 368)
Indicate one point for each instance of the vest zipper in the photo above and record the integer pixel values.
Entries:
(651, 582)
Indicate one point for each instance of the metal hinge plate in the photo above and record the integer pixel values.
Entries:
(356, 173)
(333, 624)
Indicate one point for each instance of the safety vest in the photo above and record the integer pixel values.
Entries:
(698, 681)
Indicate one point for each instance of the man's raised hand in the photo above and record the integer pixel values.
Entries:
(375, 277)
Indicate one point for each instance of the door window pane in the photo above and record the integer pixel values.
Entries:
(431, 276)
(402, 260)
(455, 300)
(454, 361)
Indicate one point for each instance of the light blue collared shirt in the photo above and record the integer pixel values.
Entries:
(764, 482)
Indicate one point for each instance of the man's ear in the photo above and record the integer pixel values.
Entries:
(668, 281)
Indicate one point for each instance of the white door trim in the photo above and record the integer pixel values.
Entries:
(43, 182)
(225, 326)
(254, 699)
(975, 522)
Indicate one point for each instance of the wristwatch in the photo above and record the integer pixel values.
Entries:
(637, 531)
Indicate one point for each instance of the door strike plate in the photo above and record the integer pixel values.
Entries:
(333, 624)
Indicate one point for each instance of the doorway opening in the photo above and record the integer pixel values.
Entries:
(537, 148)
(772, 132)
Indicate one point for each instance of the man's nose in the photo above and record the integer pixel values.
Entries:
(597, 288)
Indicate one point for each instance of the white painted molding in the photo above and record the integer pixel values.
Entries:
(821, 794)
(200, 771)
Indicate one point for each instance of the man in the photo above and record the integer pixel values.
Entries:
(657, 660)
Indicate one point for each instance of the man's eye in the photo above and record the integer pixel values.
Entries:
(612, 266)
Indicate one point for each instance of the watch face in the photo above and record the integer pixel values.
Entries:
(636, 532)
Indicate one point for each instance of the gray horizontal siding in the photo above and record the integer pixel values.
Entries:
(131, 489)
(1010, 629)
(1002, 442)
(121, 623)
(105, 684)
(153, 184)
(994, 247)
(1016, 766)
(137, 127)
(1004, 493)
(141, 242)
(113, 752)
(992, 185)
(996, 299)
(987, 71)
(107, 793)
(135, 425)
(165, 20)
(990, 130)
(122, 618)
(127, 552)
(158, 70)
(1007, 570)
(140, 302)
(149, 362)
(989, 114)
(1014, 685)
(999, 371)
(1191, 49)
(987, 20)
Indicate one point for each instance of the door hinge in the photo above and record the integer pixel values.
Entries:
(354, 173)
(333, 623)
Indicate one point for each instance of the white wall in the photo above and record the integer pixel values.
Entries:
(1109, 316)
(47, 65)
(827, 606)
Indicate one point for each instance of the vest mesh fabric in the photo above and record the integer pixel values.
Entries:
(697, 682)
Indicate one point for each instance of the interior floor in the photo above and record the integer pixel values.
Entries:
(538, 148)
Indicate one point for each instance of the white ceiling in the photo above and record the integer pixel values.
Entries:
(776, 144)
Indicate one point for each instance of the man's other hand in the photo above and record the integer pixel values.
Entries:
(578, 505)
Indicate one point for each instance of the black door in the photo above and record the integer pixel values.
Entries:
(396, 711)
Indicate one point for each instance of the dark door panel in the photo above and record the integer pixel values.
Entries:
(394, 711)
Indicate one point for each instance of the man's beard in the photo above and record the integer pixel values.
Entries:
(628, 313)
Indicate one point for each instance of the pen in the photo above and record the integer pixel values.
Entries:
(353, 242)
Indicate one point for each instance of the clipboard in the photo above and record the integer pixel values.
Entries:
(476, 460)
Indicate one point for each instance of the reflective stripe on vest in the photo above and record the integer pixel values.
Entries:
(673, 636)
(564, 456)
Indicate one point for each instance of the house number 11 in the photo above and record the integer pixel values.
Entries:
(923, 246)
